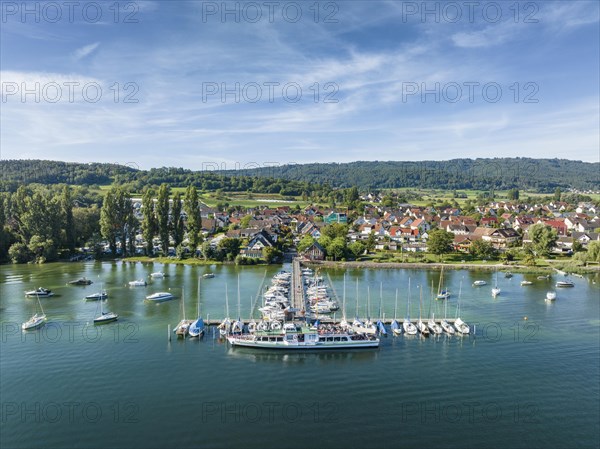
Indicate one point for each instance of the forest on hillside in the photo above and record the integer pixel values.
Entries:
(541, 175)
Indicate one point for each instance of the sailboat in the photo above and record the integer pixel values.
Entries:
(238, 325)
(105, 317)
(196, 329)
(225, 325)
(182, 328)
(36, 320)
(395, 326)
(444, 323)
(459, 324)
(420, 324)
(442, 292)
(409, 328)
(496, 290)
(380, 325)
(344, 323)
(252, 325)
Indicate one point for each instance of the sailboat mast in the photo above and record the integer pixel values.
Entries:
(238, 292)
(356, 297)
(226, 302)
(344, 299)
(396, 304)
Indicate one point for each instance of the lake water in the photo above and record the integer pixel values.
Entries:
(515, 383)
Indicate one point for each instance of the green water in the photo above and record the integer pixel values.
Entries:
(514, 383)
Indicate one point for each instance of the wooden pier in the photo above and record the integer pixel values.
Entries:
(297, 290)
(338, 319)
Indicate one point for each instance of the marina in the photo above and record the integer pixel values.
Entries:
(135, 349)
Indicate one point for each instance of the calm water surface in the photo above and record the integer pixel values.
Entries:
(514, 383)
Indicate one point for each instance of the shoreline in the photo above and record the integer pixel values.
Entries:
(452, 266)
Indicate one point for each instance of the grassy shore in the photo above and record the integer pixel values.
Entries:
(169, 260)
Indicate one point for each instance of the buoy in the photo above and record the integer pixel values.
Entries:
(525, 318)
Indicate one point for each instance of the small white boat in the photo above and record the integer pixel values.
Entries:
(36, 320)
(526, 282)
(550, 296)
(444, 294)
(80, 281)
(408, 327)
(41, 292)
(496, 290)
(422, 327)
(461, 326)
(138, 283)
(208, 275)
(157, 275)
(479, 283)
(544, 278)
(562, 284)
(159, 296)
(105, 317)
(434, 328)
(102, 294)
(447, 327)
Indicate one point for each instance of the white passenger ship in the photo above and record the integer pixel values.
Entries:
(298, 337)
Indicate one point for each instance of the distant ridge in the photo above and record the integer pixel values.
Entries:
(543, 175)
(499, 173)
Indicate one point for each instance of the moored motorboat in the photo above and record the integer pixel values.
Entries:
(550, 296)
(102, 294)
(157, 275)
(40, 292)
(208, 275)
(563, 284)
(159, 297)
(80, 281)
(479, 283)
(526, 282)
(138, 283)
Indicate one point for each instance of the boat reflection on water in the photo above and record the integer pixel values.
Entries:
(266, 355)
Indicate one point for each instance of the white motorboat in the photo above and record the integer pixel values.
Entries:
(40, 292)
(526, 283)
(479, 283)
(208, 275)
(138, 283)
(563, 284)
(102, 294)
(159, 297)
(550, 296)
(157, 275)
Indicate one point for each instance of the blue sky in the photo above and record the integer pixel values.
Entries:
(369, 62)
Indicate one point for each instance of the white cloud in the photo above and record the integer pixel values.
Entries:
(86, 50)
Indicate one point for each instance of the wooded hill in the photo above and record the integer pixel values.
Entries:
(542, 175)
